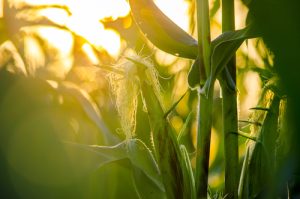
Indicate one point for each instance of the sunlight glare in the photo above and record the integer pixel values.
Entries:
(39, 2)
(56, 15)
(99, 9)
(178, 13)
(1, 8)
(59, 38)
(96, 34)
(88, 13)
(86, 20)
(21, 3)
(177, 10)
(90, 53)
(253, 85)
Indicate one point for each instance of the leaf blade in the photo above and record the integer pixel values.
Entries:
(134, 150)
(222, 50)
(89, 106)
(162, 31)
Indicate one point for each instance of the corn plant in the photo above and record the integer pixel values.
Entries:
(160, 167)
(213, 59)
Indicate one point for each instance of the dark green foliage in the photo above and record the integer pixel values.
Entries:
(35, 162)
(280, 30)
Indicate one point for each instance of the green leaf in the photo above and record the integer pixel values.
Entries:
(172, 108)
(100, 155)
(188, 172)
(246, 135)
(146, 173)
(145, 188)
(162, 31)
(197, 75)
(167, 151)
(243, 184)
(89, 106)
(194, 74)
(222, 50)
(93, 157)
(260, 108)
(184, 127)
(89, 158)
(141, 157)
(260, 168)
(226, 80)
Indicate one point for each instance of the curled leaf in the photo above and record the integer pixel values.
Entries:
(196, 74)
(162, 31)
(222, 50)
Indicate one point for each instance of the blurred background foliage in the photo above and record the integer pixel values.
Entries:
(56, 61)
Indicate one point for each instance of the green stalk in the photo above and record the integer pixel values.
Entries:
(204, 32)
(228, 23)
(230, 142)
(177, 181)
(230, 117)
(203, 143)
(166, 151)
(205, 103)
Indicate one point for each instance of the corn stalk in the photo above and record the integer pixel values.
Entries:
(205, 102)
(230, 117)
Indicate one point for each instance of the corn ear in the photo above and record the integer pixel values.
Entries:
(167, 152)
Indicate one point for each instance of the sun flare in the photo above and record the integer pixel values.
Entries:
(178, 12)
(85, 19)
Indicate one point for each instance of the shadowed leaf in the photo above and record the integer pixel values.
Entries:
(194, 74)
(89, 107)
(133, 149)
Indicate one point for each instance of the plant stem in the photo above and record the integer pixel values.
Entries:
(203, 143)
(204, 32)
(205, 103)
(228, 23)
(167, 151)
(230, 125)
(230, 117)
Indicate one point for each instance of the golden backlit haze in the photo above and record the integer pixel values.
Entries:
(82, 17)
(86, 19)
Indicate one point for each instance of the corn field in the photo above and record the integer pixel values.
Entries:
(171, 99)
